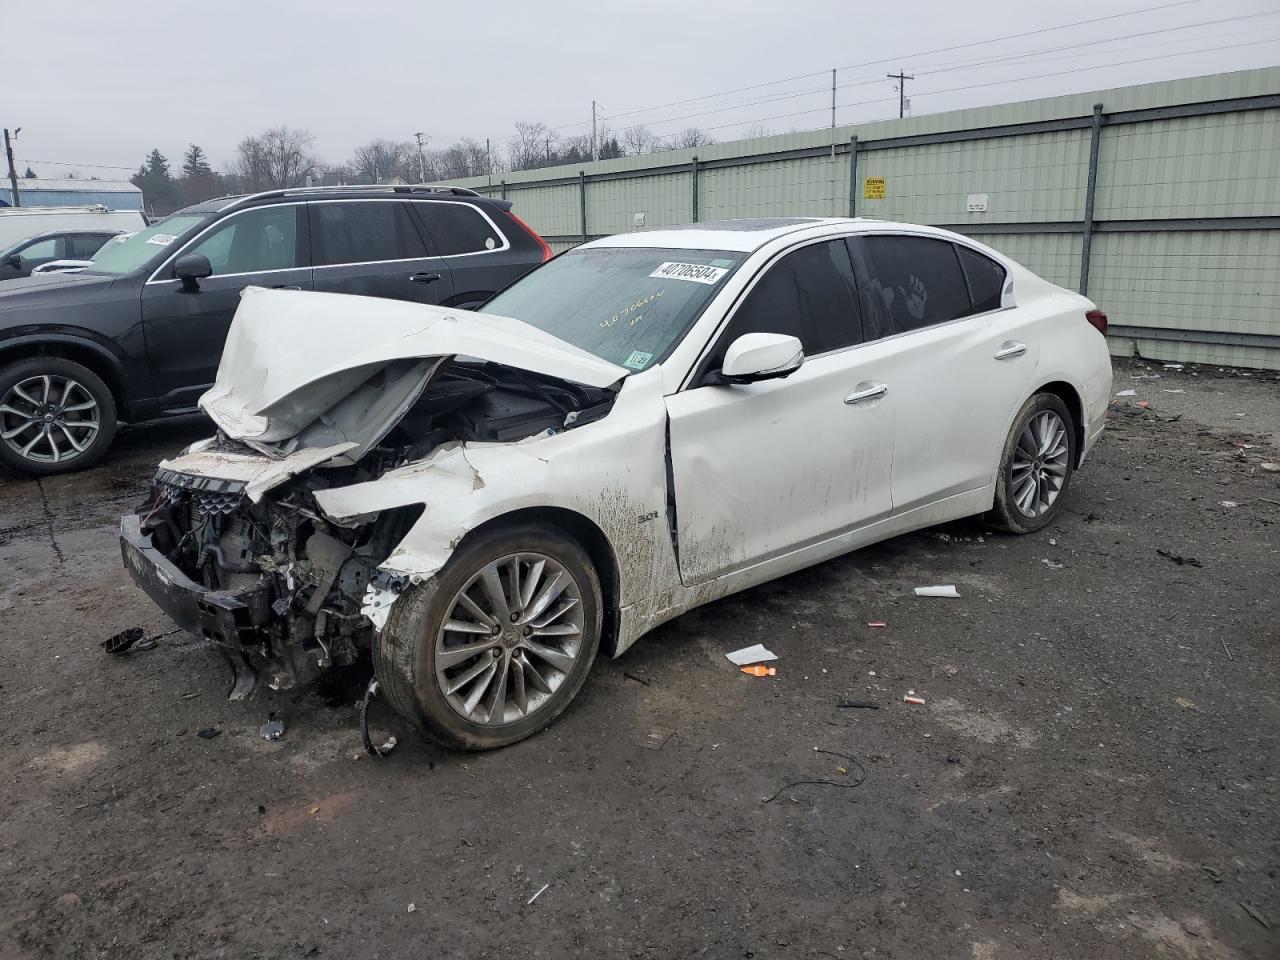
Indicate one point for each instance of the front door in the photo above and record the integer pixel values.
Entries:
(186, 328)
(766, 468)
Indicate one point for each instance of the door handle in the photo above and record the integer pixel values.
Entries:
(286, 286)
(867, 393)
(1010, 349)
(424, 277)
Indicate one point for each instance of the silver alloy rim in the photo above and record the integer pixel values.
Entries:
(1039, 468)
(511, 638)
(48, 418)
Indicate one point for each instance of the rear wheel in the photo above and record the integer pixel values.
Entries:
(56, 416)
(1036, 467)
(492, 649)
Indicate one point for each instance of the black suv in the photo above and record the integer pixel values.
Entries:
(138, 334)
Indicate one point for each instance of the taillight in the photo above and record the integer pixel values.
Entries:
(1098, 320)
(546, 251)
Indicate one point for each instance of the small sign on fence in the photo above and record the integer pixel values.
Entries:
(873, 188)
(977, 203)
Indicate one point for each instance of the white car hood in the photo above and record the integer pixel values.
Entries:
(320, 369)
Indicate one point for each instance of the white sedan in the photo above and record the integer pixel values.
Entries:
(482, 503)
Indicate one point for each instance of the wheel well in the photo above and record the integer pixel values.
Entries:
(1067, 394)
(592, 539)
(85, 356)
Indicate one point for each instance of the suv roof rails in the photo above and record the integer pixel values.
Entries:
(360, 188)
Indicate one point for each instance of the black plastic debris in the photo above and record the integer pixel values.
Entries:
(859, 705)
(122, 641)
(369, 746)
(208, 733)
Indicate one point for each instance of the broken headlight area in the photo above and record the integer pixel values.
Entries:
(272, 581)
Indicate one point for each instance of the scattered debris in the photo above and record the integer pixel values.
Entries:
(1270, 467)
(632, 676)
(1226, 649)
(189, 696)
(1179, 560)
(1127, 393)
(1192, 926)
(122, 641)
(1173, 391)
(1227, 503)
(1173, 366)
(1184, 703)
(1052, 564)
(412, 907)
(538, 894)
(271, 730)
(1145, 404)
(1253, 912)
(750, 655)
(657, 739)
(208, 733)
(760, 670)
(862, 775)
(947, 591)
(919, 701)
(876, 623)
(390, 744)
(858, 705)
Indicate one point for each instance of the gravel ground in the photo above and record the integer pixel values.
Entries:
(1094, 774)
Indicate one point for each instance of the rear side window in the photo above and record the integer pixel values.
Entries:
(985, 277)
(807, 294)
(82, 246)
(364, 232)
(457, 228)
(906, 283)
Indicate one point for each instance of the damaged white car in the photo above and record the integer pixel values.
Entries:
(482, 501)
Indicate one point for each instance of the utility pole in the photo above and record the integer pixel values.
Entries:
(13, 174)
(595, 146)
(422, 159)
(902, 79)
(488, 158)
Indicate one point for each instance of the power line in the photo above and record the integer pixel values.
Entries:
(64, 163)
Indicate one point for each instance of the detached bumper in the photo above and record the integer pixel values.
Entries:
(213, 614)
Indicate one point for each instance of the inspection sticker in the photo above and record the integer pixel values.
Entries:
(697, 272)
(162, 239)
(638, 360)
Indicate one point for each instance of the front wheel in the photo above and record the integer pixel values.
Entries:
(56, 416)
(494, 647)
(1036, 467)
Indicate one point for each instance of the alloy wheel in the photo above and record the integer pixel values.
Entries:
(1039, 466)
(49, 418)
(511, 637)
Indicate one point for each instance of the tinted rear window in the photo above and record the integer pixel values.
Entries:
(457, 228)
(906, 283)
(364, 232)
(986, 279)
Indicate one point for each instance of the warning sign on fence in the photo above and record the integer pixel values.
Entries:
(873, 188)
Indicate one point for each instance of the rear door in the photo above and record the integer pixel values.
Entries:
(375, 248)
(185, 329)
(762, 469)
(964, 357)
(479, 253)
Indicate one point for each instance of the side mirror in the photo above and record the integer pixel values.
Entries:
(761, 356)
(13, 260)
(191, 267)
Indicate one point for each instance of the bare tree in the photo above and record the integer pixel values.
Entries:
(532, 146)
(690, 137)
(639, 139)
(382, 159)
(755, 131)
(466, 158)
(275, 159)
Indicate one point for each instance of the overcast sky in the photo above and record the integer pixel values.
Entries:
(102, 83)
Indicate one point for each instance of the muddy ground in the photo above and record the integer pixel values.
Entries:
(1096, 772)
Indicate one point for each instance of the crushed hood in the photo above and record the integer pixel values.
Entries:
(321, 369)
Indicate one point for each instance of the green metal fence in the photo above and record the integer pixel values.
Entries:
(1160, 201)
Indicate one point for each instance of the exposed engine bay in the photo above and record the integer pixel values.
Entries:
(282, 585)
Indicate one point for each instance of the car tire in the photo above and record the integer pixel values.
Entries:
(56, 416)
(536, 653)
(1036, 465)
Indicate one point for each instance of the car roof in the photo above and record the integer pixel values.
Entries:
(414, 191)
(748, 235)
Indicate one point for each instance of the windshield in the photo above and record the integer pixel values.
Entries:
(118, 259)
(627, 305)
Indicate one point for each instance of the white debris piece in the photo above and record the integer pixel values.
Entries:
(947, 591)
(756, 654)
(1127, 393)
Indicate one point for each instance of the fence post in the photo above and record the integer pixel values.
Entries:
(503, 184)
(693, 168)
(1086, 238)
(853, 176)
(582, 201)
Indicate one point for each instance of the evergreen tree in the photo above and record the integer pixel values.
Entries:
(30, 174)
(159, 192)
(195, 163)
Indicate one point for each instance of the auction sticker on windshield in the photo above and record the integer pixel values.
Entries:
(696, 272)
(162, 239)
